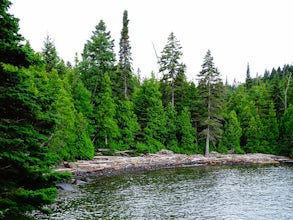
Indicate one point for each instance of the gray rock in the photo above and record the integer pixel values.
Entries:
(65, 186)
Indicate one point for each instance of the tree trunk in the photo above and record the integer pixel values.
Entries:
(208, 121)
(207, 142)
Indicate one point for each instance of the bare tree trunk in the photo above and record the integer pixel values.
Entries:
(207, 150)
(106, 140)
(207, 142)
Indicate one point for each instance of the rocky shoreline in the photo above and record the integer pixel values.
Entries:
(111, 165)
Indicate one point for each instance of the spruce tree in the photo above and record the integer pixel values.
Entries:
(50, 56)
(12, 48)
(186, 133)
(98, 58)
(248, 79)
(171, 129)
(106, 133)
(231, 134)
(170, 67)
(151, 115)
(210, 87)
(128, 125)
(125, 57)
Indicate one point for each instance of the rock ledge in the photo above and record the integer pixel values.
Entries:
(108, 165)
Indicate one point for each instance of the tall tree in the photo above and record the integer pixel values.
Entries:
(98, 58)
(186, 133)
(106, 128)
(128, 125)
(231, 134)
(26, 180)
(12, 47)
(248, 79)
(151, 115)
(125, 59)
(210, 87)
(171, 67)
(50, 56)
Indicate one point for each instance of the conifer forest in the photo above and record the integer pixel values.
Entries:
(51, 111)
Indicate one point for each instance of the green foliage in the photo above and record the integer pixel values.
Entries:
(128, 125)
(171, 129)
(186, 133)
(211, 91)
(150, 112)
(25, 158)
(171, 67)
(125, 59)
(231, 135)
(106, 132)
(98, 58)
(286, 128)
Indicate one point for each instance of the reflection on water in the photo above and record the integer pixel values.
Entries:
(253, 192)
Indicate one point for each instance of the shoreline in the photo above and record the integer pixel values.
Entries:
(112, 165)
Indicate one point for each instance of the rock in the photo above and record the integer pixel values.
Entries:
(65, 186)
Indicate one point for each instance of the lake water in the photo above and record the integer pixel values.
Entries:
(232, 192)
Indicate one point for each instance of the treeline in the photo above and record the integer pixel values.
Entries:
(52, 111)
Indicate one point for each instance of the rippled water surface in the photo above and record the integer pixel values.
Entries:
(254, 192)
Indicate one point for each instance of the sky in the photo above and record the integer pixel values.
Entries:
(237, 32)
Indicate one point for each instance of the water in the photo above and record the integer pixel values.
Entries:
(253, 192)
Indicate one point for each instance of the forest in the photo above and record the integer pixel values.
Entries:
(53, 111)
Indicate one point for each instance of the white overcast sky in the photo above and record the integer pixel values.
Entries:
(258, 32)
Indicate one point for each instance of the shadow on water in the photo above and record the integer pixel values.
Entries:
(226, 192)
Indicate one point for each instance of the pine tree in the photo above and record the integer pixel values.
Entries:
(106, 132)
(26, 181)
(98, 58)
(231, 134)
(186, 133)
(286, 132)
(125, 59)
(210, 87)
(270, 131)
(171, 67)
(254, 134)
(171, 129)
(50, 56)
(12, 48)
(128, 125)
(151, 116)
(248, 79)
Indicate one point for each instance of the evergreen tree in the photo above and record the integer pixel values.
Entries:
(12, 49)
(186, 133)
(248, 79)
(128, 125)
(98, 58)
(210, 87)
(270, 131)
(125, 59)
(26, 181)
(151, 116)
(50, 56)
(276, 96)
(106, 129)
(171, 67)
(171, 129)
(286, 132)
(254, 134)
(231, 134)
